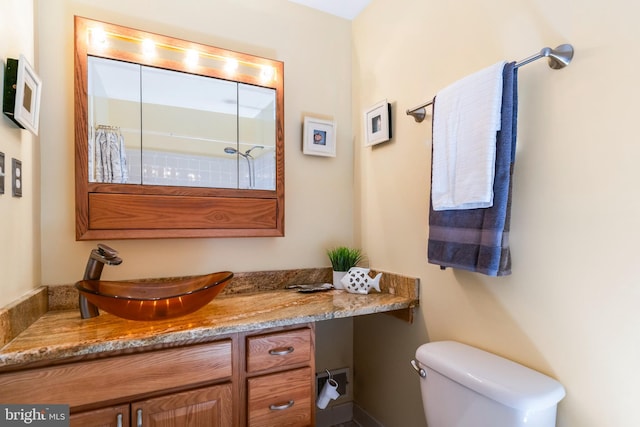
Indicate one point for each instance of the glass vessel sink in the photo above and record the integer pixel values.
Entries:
(157, 299)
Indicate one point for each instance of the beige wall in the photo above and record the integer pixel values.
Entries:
(19, 217)
(570, 308)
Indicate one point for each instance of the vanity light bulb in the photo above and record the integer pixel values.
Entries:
(231, 66)
(267, 73)
(192, 57)
(98, 37)
(148, 47)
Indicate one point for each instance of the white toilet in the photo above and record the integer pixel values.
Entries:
(463, 386)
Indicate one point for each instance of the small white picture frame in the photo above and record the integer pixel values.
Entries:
(319, 137)
(377, 123)
(28, 93)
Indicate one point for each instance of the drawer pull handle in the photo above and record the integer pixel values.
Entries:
(119, 420)
(281, 351)
(282, 407)
(139, 420)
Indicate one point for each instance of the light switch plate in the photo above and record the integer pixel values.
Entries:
(3, 172)
(16, 178)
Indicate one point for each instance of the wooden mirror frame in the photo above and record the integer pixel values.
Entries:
(133, 211)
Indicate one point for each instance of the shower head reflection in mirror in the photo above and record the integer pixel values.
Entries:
(251, 171)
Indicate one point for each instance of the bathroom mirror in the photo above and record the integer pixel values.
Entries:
(175, 138)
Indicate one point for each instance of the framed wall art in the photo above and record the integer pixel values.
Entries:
(319, 137)
(378, 123)
(22, 92)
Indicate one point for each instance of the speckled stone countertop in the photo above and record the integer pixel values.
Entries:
(61, 334)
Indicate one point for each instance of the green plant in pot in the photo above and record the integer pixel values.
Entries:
(342, 259)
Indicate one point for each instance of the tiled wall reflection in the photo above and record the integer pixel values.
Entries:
(160, 168)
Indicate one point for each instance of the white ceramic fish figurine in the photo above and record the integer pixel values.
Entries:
(358, 281)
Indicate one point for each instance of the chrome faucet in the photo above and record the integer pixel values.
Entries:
(100, 256)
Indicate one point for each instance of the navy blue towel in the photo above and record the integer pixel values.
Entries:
(478, 239)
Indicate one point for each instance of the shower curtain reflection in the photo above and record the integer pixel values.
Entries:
(107, 156)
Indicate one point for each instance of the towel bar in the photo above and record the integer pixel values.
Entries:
(558, 58)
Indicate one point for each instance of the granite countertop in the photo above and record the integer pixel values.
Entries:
(61, 334)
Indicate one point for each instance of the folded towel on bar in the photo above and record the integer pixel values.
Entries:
(478, 239)
(466, 116)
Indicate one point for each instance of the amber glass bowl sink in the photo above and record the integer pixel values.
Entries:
(154, 299)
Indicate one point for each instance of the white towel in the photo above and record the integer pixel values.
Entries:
(466, 118)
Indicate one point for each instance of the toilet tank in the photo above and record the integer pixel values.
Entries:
(468, 387)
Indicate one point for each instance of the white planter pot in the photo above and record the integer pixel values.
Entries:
(337, 276)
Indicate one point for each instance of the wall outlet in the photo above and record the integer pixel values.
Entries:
(2, 173)
(16, 178)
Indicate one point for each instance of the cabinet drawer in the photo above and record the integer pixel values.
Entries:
(278, 349)
(284, 398)
(118, 377)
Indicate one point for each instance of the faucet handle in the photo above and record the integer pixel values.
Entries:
(107, 251)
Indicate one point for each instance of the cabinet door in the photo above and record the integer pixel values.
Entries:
(282, 399)
(114, 416)
(204, 407)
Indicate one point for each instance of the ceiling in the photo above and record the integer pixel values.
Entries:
(347, 9)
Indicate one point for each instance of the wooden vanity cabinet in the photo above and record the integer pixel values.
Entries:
(253, 379)
(184, 382)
